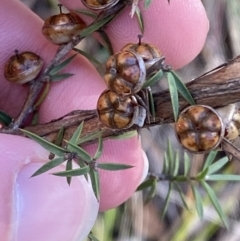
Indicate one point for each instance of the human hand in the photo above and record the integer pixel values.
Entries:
(45, 207)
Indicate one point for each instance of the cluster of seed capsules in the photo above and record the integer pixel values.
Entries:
(120, 106)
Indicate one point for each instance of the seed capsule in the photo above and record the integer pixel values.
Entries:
(99, 4)
(61, 28)
(148, 52)
(199, 128)
(22, 68)
(125, 73)
(117, 113)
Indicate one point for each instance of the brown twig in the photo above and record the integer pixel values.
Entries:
(215, 89)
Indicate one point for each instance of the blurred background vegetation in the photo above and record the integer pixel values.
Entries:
(134, 221)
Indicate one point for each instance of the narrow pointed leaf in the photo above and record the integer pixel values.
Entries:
(183, 90)
(48, 166)
(181, 195)
(59, 139)
(223, 177)
(152, 191)
(216, 166)
(176, 161)
(59, 67)
(82, 164)
(113, 166)
(88, 56)
(73, 172)
(198, 201)
(80, 152)
(215, 203)
(86, 13)
(76, 135)
(92, 237)
(151, 104)
(201, 176)
(5, 119)
(59, 77)
(210, 158)
(43, 95)
(69, 168)
(106, 42)
(186, 164)
(145, 184)
(99, 149)
(166, 164)
(97, 25)
(174, 95)
(170, 155)
(57, 150)
(166, 201)
(94, 176)
(90, 137)
(125, 135)
(139, 16)
(153, 79)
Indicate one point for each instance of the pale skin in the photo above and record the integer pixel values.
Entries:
(45, 207)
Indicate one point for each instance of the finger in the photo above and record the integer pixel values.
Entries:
(44, 205)
(78, 92)
(86, 84)
(179, 29)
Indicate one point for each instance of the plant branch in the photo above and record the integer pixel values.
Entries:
(216, 89)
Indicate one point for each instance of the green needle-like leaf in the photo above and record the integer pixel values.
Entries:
(166, 164)
(198, 201)
(80, 152)
(153, 79)
(90, 137)
(69, 168)
(210, 158)
(92, 237)
(94, 176)
(43, 95)
(76, 135)
(59, 139)
(223, 177)
(151, 104)
(202, 174)
(59, 67)
(176, 163)
(181, 195)
(48, 166)
(82, 164)
(183, 90)
(99, 149)
(166, 202)
(106, 42)
(57, 150)
(5, 119)
(59, 77)
(217, 165)
(73, 172)
(174, 95)
(88, 56)
(186, 164)
(97, 25)
(113, 166)
(86, 13)
(152, 191)
(145, 184)
(139, 19)
(215, 203)
(170, 155)
(125, 135)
